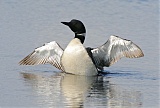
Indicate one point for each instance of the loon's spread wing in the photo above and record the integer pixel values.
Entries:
(48, 53)
(113, 50)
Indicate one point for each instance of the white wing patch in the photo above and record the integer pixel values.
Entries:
(113, 50)
(48, 53)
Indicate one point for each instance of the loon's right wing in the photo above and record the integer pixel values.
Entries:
(113, 50)
(48, 53)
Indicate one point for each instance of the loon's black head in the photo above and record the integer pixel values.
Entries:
(77, 27)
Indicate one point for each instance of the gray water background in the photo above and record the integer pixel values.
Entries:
(27, 24)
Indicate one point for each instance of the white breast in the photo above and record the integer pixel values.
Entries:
(76, 60)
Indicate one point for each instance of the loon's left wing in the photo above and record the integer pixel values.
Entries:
(113, 50)
(48, 53)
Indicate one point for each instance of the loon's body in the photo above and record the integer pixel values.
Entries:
(76, 59)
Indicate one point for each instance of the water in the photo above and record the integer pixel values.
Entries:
(27, 24)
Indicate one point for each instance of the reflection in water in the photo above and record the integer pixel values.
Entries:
(75, 88)
(46, 88)
(120, 98)
(63, 90)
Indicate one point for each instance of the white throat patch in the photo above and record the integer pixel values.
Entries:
(82, 34)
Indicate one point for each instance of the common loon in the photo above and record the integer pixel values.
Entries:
(76, 59)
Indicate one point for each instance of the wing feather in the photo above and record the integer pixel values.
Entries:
(113, 50)
(48, 53)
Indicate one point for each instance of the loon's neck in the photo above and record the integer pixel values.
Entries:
(80, 36)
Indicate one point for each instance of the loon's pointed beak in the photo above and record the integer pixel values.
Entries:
(65, 23)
